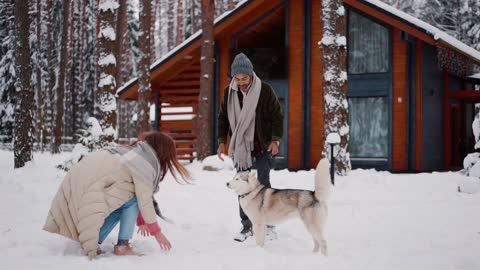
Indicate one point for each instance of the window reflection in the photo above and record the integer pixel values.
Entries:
(367, 45)
(368, 120)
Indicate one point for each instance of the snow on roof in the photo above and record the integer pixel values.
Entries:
(475, 76)
(180, 46)
(435, 32)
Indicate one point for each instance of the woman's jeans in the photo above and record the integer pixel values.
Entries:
(126, 215)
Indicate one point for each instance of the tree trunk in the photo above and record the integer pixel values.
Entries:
(89, 56)
(195, 16)
(106, 70)
(8, 75)
(204, 123)
(49, 94)
(231, 4)
(180, 33)
(144, 68)
(68, 105)
(334, 56)
(80, 95)
(24, 91)
(170, 23)
(121, 30)
(40, 129)
(61, 79)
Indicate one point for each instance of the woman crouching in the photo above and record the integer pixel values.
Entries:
(115, 185)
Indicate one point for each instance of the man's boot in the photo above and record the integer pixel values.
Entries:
(244, 234)
(270, 233)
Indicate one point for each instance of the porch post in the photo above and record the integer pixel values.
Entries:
(157, 111)
(447, 121)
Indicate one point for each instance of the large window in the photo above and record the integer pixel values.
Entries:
(368, 120)
(367, 45)
(369, 91)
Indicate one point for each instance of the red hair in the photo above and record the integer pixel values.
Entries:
(166, 151)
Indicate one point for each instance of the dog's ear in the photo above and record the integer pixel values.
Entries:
(252, 174)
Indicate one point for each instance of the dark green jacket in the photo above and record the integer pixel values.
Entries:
(268, 117)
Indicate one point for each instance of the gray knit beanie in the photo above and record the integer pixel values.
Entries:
(241, 64)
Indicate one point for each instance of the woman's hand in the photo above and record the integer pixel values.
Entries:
(220, 151)
(143, 230)
(163, 241)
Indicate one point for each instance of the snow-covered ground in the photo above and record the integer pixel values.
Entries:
(377, 220)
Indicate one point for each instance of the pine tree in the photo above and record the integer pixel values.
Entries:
(61, 80)
(335, 115)
(79, 91)
(179, 35)
(122, 63)
(196, 16)
(89, 59)
(72, 103)
(106, 107)
(40, 74)
(7, 70)
(134, 57)
(34, 52)
(133, 30)
(24, 91)
(171, 24)
(206, 82)
(144, 89)
(231, 4)
(470, 12)
(444, 14)
(409, 6)
(157, 29)
(51, 40)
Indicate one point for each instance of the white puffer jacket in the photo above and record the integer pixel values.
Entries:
(90, 191)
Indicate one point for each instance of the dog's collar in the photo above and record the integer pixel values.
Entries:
(244, 195)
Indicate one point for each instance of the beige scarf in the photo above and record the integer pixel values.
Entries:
(242, 122)
(142, 161)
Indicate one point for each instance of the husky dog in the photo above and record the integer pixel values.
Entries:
(271, 206)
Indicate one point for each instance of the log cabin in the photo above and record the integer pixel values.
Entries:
(410, 89)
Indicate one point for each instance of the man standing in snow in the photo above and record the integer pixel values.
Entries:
(252, 116)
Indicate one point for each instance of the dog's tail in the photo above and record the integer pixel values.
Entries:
(322, 180)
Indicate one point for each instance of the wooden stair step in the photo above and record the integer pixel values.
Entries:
(176, 136)
(179, 105)
(183, 151)
(176, 113)
(190, 158)
(185, 143)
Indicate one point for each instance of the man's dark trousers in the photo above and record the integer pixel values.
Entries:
(262, 164)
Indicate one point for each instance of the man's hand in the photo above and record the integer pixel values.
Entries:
(163, 241)
(220, 151)
(273, 148)
(143, 230)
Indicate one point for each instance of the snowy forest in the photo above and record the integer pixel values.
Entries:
(79, 52)
(72, 45)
